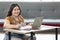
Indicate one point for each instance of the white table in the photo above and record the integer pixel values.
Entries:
(32, 32)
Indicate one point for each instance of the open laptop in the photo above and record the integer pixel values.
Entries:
(37, 23)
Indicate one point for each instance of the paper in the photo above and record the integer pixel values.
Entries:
(26, 27)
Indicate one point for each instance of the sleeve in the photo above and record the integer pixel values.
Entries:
(8, 25)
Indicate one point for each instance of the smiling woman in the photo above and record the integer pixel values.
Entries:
(14, 19)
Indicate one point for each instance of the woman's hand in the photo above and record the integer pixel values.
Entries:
(18, 26)
(29, 24)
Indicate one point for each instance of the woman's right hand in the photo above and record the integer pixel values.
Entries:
(18, 26)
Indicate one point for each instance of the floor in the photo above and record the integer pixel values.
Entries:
(45, 36)
(38, 37)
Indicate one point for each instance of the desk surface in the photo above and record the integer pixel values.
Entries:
(42, 28)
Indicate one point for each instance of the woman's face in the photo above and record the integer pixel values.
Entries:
(15, 11)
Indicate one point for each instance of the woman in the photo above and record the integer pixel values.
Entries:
(14, 19)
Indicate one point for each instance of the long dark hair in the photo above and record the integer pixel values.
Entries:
(11, 9)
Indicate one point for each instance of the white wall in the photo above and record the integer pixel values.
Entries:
(31, 0)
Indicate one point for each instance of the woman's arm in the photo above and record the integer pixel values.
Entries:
(8, 25)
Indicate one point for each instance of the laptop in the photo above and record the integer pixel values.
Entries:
(37, 23)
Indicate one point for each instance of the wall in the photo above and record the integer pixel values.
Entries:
(49, 10)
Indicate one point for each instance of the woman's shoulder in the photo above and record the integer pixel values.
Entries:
(21, 16)
(8, 18)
